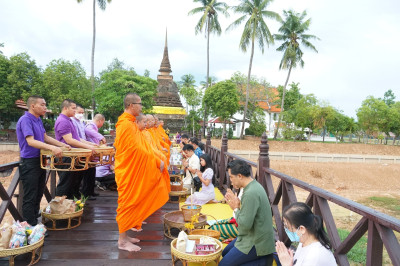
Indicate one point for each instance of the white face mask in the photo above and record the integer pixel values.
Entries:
(79, 116)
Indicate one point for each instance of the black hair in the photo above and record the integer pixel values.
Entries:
(239, 167)
(201, 145)
(184, 136)
(194, 140)
(67, 103)
(299, 213)
(32, 100)
(208, 161)
(79, 106)
(188, 147)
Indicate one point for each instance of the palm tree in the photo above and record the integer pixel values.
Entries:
(209, 8)
(102, 5)
(292, 34)
(254, 12)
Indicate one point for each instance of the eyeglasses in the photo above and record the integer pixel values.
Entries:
(137, 103)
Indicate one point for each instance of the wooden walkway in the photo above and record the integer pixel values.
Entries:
(94, 242)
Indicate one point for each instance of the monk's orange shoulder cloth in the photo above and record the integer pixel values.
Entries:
(141, 188)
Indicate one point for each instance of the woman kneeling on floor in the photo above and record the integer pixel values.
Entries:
(205, 174)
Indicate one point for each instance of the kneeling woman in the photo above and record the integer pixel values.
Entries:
(205, 174)
(301, 225)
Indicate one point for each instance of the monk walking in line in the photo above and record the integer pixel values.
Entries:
(138, 174)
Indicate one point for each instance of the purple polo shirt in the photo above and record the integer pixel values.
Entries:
(64, 126)
(80, 128)
(92, 133)
(29, 125)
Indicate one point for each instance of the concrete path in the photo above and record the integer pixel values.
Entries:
(320, 157)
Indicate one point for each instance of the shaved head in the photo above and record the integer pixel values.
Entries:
(130, 98)
(141, 117)
(99, 117)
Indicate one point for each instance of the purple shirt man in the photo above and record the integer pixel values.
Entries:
(80, 128)
(92, 133)
(29, 125)
(64, 126)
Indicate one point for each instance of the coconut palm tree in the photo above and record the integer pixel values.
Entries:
(253, 12)
(292, 34)
(102, 5)
(209, 19)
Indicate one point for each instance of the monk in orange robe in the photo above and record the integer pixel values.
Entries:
(138, 173)
(163, 133)
(150, 127)
(142, 123)
(158, 136)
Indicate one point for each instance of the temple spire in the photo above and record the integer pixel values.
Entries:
(165, 67)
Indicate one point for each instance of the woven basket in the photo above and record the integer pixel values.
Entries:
(196, 258)
(66, 216)
(13, 252)
(206, 232)
(177, 179)
(104, 155)
(188, 212)
(79, 160)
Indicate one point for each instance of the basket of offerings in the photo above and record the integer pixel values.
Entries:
(60, 209)
(21, 238)
(190, 210)
(176, 183)
(206, 232)
(205, 249)
(73, 160)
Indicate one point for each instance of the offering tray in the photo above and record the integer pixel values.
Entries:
(103, 155)
(189, 257)
(175, 220)
(73, 160)
(73, 219)
(183, 193)
(13, 252)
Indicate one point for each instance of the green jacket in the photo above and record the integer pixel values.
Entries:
(254, 219)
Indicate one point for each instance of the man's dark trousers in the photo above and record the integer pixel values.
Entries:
(33, 180)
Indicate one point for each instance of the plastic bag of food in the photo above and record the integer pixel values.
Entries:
(5, 235)
(18, 238)
(37, 233)
(181, 242)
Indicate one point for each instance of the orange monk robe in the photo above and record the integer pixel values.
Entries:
(157, 141)
(152, 143)
(159, 155)
(164, 135)
(141, 188)
(160, 138)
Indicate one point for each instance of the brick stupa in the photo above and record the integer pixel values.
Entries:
(168, 106)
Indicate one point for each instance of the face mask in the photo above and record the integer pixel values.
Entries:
(293, 236)
(79, 116)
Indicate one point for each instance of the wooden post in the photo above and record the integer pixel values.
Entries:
(199, 135)
(263, 160)
(222, 168)
(208, 142)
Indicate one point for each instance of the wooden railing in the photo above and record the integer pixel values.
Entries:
(379, 227)
(7, 195)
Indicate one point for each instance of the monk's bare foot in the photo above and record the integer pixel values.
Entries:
(128, 246)
(144, 222)
(133, 240)
(136, 230)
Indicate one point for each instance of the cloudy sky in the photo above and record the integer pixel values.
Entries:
(358, 54)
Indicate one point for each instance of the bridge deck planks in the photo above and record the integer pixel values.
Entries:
(94, 242)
